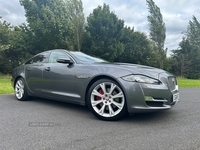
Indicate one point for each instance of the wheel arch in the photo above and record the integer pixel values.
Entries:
(98, 78)
(19, 76)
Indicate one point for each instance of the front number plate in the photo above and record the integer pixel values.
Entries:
(175, 97)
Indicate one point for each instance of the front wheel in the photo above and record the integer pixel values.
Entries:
(20, 90)
(106, 100)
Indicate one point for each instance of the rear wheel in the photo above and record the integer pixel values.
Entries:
(106, 100)
(20, 90)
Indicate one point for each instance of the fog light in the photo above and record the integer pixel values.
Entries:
(148, 98)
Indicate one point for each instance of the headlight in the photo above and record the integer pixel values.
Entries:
(141, 79)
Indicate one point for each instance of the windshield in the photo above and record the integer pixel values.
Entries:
(86, 58)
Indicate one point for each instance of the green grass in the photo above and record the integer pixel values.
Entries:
(5, 85)
(188, 83)
(6, 88)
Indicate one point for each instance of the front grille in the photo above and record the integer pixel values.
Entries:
(172, 83)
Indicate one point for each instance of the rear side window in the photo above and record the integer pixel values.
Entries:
(40, 58)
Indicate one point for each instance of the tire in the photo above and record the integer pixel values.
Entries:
(106, 100)
(20, 90)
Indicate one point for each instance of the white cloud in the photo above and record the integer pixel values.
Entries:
(12, 11)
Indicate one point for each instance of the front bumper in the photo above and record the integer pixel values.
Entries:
(141, 97)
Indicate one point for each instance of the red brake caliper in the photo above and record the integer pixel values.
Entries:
(101, 92)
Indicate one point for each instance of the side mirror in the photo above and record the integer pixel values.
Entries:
(65, 61)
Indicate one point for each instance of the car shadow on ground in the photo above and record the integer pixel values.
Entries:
(61, 104)
(147, 116)
(137, 117)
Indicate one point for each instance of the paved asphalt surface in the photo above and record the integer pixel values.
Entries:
(40, 124)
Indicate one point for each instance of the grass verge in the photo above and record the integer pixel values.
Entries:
(6, 88)
(188, 83)
(5, 85)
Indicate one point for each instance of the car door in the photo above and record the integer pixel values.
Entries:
(58, 78)
(33, 72)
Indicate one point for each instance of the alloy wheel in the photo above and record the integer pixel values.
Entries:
(19, 89)
(107, 99)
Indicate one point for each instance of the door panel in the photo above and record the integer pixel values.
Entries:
(34, 77)
(58, 81)
(33, 72)
(58, 78)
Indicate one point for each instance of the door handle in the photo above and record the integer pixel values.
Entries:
(47, 69)
(28, 69)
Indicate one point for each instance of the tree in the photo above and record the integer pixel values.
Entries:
(4, 35)
(105, 32)
(193, 35)
(186, 60)
(157, 32)
(21, 44)
(193, 31)
(181, 60)
(49, 21)
(75, 8)
(136, 48)
(5, 29)
(14, 46)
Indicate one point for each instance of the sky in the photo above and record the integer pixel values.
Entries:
(176, 15)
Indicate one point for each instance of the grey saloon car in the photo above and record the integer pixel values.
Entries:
(110, 90)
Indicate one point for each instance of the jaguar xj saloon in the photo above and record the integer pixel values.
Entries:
(109, 90)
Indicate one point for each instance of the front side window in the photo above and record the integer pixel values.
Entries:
(55, 55)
